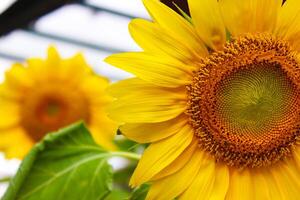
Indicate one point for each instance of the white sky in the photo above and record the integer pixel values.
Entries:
(80, 23)
(5, 4)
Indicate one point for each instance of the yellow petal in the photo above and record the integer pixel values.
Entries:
(10, 114)
(156, 69)
(291, 170)
(211, 183)
(37, 68)
(94, 89)
(260, 186)
(123, 87)
(160, 154)
(19, 151)
(275, 188)
(240, 185)
(202, 185)
(148, 106)
(152, 38)
(175, 184)
(296, 156)
(221, 183)
(53, 57)
(179, 27)
(208, 22)
(74, 67)
(53, 64)
(17, 77)
(152, 132)
(9, 93)
(286, 176)
(15, 143)
(102, 135)
(8, 136)
(102, 128)
(288, 26)
(136, 85)
(179, 162)
(250, 16)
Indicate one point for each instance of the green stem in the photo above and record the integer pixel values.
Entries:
(5, 179)
(128, 155)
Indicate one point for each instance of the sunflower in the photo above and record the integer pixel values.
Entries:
(217, 96)
(42, 96)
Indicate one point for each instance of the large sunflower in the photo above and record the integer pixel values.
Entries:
(45, 95)
(218, 98)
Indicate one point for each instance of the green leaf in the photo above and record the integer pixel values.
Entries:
(128, 145)
(185, 15)
(118, 194)
(122, 176)
(125, 145)
(67, 165)
(140, 193)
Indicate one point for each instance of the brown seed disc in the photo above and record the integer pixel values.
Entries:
(244, 102)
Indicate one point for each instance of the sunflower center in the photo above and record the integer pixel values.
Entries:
(50, 107)
(252, 99)
(245, 102)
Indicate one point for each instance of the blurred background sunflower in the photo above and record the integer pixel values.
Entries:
(42, 96)
(96, 28)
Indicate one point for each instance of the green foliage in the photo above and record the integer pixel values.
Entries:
(118, 195)
(140, 193)
(122, 176)
(67, 165)
(126, 145)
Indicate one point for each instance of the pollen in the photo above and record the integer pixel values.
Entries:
(244, 102)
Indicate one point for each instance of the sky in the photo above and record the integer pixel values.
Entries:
(79, 23)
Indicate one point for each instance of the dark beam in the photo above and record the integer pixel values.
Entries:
(73, 41)
(24, 12)
(11, 57)
(100, 9)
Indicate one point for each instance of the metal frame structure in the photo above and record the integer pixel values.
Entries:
(27, 24)
(23, 14)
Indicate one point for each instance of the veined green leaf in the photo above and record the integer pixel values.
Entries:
(67, 165)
